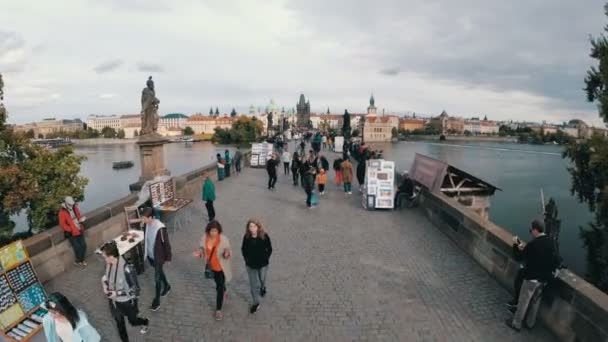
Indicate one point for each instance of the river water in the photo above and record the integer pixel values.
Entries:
(519, 170)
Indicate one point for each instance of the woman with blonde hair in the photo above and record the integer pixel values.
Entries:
(256, 249)
(215, 250)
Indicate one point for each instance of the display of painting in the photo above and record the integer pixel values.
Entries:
(260, 153)
(379, 190)
(21, 294)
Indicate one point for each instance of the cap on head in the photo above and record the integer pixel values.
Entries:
(69, 201)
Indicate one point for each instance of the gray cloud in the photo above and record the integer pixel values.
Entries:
(12, 52)
(504, 46)
(135, 5)
(392, 71)
(108, 66)
(149, 67)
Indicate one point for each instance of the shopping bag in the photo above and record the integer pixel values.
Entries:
(314, 199)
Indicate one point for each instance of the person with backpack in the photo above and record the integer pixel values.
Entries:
(157, 249)
(70, 222)
(338, 170)
(256, 249)
(209, 197)
(120, 285)
(65, 323)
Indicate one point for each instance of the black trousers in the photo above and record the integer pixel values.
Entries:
(210, 210)
(519, 280)
(220, 287)
(294, 173)
(272, 180)
(160, 279)
(80, 247)
(308, 197)
(237, 166)
(121, 309)
(321, 188)
(286, 168)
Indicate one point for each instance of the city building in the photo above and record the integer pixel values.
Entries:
(173, 120)
(98, 122)
(445, 124)
(378, 128)
(129, 120)
(481, 127)
(51, 125)
(303, 112)
(326, 121)
(204, 124)
(411, 124)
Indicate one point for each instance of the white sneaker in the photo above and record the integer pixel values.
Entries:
(350, 192)
(144, 329)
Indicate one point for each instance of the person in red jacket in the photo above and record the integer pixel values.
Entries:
(71, 223)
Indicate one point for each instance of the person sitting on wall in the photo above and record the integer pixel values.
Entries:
(406, 188)
(539, 258)
(71, 223)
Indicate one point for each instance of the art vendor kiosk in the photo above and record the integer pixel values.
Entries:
(21, 295)
(379, 185)
(260, 153)
(162, 196)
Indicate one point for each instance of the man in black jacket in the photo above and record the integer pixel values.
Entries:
(271, 167)
(539, 258)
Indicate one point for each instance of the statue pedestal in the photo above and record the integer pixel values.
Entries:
(152, 156)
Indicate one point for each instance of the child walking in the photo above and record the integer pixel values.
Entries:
(321, 180)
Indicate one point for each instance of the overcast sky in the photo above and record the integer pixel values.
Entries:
(521, 60)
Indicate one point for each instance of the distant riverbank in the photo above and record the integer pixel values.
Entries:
(463, 138)
(102, 141)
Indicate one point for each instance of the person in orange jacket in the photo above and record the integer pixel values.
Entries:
(321, 180)
(71, 223)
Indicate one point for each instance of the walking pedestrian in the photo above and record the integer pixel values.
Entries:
(309, 179)
(286, 158)
(228, 162)
(540, 260)
(215, 250)
(238, 156)
(361, 173)
(157, 249)
(323, 163)
(295, 167)
(338, 170)
(347, 175)
(324, 140)
(71, 223)
(321, 180)
(120, 285)
(65, 323)
(209, 197)
(271, 168)
(256, 249)
(220, 167)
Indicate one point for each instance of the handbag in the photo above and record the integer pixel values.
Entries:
(208, 270)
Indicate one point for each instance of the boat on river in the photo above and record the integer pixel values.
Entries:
(122, 164)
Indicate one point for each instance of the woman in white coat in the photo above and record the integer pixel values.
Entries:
(215, 250)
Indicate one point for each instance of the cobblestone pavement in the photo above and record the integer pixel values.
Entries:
(338, 273)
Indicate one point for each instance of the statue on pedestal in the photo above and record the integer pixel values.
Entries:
(149, 109)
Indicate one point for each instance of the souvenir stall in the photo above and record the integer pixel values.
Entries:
(379, 186)
(260, 153)
(21, 295)
(164, 200)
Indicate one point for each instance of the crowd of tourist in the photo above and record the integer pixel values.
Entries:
(121, 287)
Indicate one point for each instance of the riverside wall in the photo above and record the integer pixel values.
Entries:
(574, 310)
(51, 253)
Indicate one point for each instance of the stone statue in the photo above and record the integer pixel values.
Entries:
(346, 125)
(149, 109)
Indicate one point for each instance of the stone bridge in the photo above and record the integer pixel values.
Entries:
(338, 273)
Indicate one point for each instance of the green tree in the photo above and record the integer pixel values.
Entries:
(467, 133)
(30, 134)
(120, 134)
(355, 132)
(188, 131)
(34, 180)
(589, 169)
(394, 132)
(243, 131)
(135, 133)
(40, 136)
(108, 132)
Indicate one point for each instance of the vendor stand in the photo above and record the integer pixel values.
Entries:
(21, 295)
(162, 196)
(379, 185)
(260, 153)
